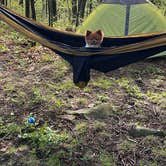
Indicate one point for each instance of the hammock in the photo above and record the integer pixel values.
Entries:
(114, 53)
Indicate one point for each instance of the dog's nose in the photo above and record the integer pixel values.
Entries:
(94, 41)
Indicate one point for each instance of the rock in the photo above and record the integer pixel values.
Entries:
(99, 112)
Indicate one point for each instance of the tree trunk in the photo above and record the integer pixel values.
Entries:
(50, 13)
(69, 11)
(4, 2)
(27, 8)
(82, 8)
(21, 2)
(74, 11)
(33, 11)
(80, 11)
(46, 8)
(54, 10)
(90, 6)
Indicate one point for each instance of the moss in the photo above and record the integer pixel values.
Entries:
(81, 128)
(107, 159)
(130, 88)
(102, 98)
(99, 126)
(156, 97)
(103, 82)
(147, 163)
(66, 86)
(159, 152)
(81, 101)
(126, 146)
(152, 69)
(53, 160)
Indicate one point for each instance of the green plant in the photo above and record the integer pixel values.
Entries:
(2, 49)
(126, 146)
(107, 159)
(45, 138)
(103, 82)
(132, 90)
(81, 128)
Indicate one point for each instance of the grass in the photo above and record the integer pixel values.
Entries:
(81, 128)
(107, 159)
(103, 82)
(133, 90)
(127, 146)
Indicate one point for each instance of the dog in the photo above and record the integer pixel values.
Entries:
(94, 39)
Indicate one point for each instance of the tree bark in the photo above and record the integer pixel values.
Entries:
(74, 10)
(50, 12)
(54, 10)
(3, 2)
(82, 8)
(27, 8)
(21, 2)
(33, 11)
(80, 11)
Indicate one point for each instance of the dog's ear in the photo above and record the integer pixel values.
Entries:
(100, 32)
(88, 33)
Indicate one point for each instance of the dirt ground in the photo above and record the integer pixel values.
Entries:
(34, 82)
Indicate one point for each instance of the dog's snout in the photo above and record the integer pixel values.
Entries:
(94, 41)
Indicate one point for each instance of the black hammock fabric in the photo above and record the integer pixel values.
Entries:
(115, 52)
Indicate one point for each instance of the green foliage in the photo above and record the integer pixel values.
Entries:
(45, 138)
(2, 49)
(107, 159)
(81, 128)
(151, 69)
(46, 58)
(159, 98)
(132, 90)
(53, 160)
(103, 82)
(126, 146)
(66, 85)
(159, 152)
(161, 4)
(59, 103)
(147, 163)
(9, 130)
(102, 98)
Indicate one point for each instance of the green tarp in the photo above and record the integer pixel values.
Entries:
(111, 18)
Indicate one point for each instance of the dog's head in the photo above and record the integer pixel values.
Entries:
(94, 38)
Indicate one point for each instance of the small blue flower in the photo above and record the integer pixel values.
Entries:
(31, 120)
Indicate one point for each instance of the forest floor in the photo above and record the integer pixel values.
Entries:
(36, 82)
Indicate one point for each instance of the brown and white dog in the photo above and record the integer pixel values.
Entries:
(94, 39)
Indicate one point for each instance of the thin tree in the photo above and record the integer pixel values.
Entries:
(33, 11)
(4, 2)
(82, 8)
(27, 8)
(52, 10)
(74, 11)
(80, 11)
